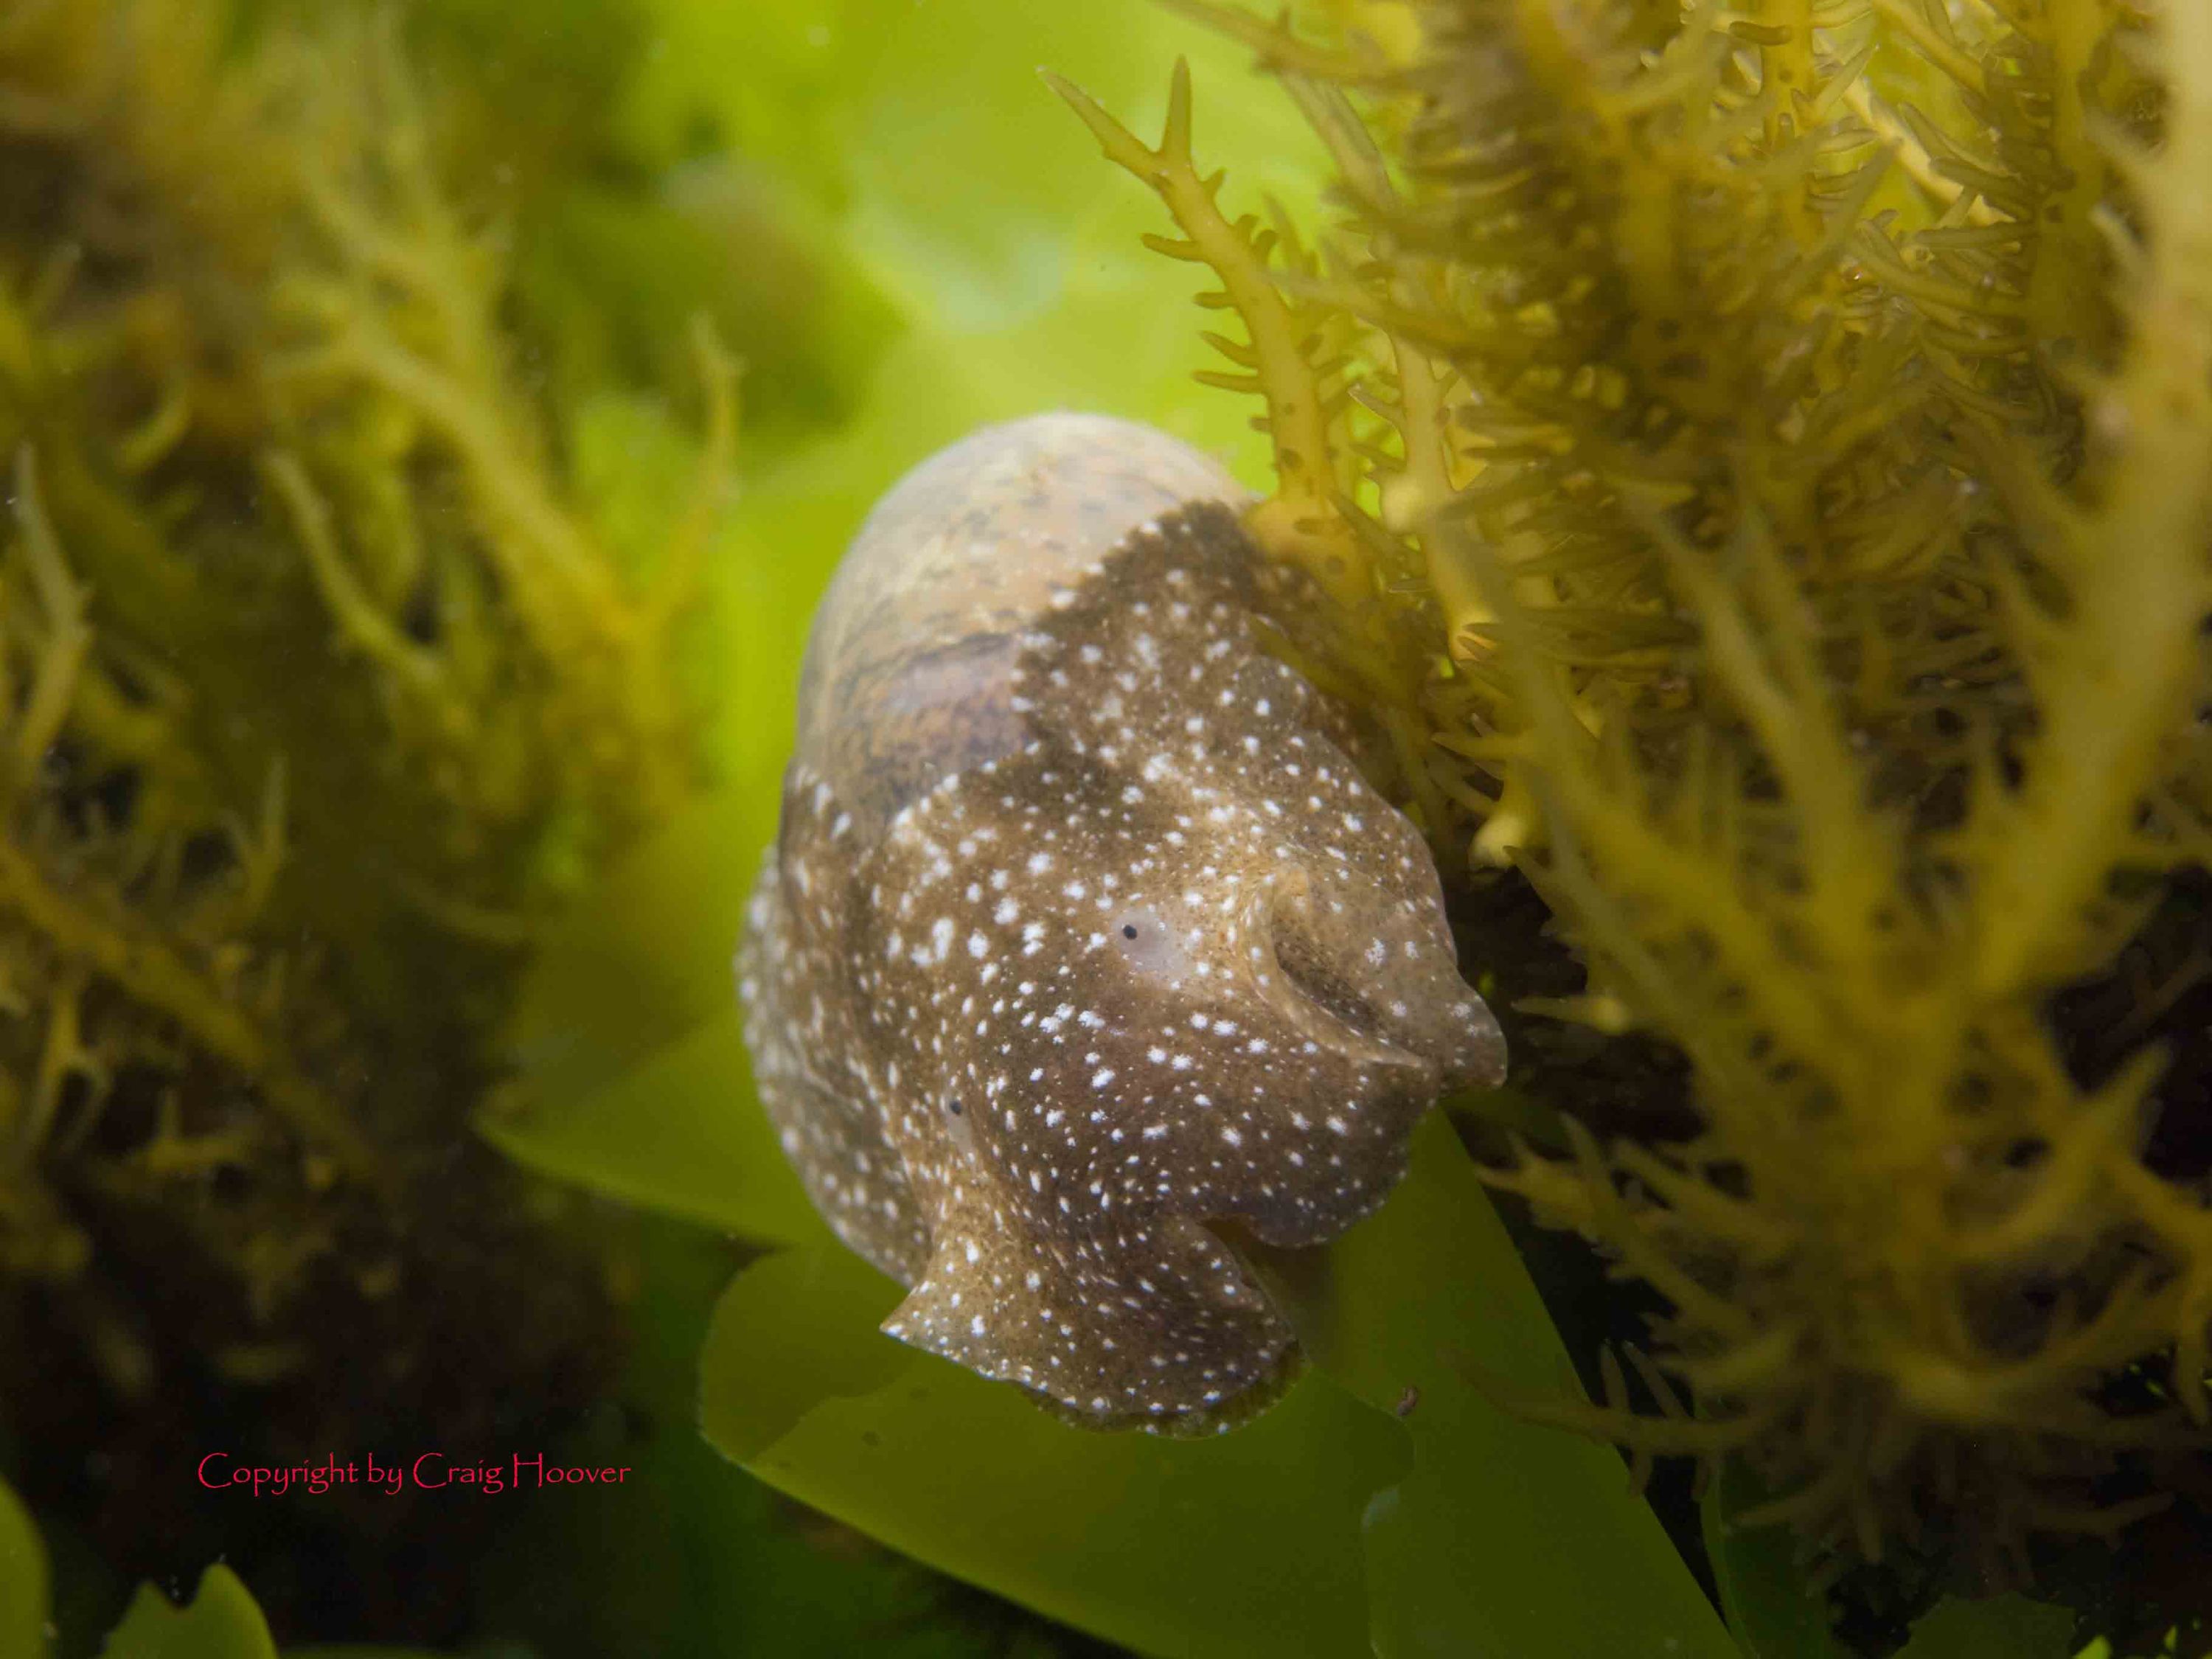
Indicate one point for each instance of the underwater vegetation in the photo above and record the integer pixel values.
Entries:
(1755, 456)
(1759, 454)
(369, 403)
(323, 692)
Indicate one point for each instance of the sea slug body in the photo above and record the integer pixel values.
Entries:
(1083, 929)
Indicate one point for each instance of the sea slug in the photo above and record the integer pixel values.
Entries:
(1083, 929)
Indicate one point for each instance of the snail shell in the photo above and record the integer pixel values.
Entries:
(1083, 930)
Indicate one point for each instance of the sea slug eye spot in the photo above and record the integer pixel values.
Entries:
(1150, 945)
(959, 1128)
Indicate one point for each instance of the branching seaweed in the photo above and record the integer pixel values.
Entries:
(1783, 429)
(321, 694)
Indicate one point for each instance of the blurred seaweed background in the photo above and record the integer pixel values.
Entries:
(1757, 454)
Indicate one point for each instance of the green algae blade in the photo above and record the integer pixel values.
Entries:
(2001, 1627)
(1761, 1587)
(222, 1621)
(1459, 1530)
(1246, 1543)
(1505, 1538)
(1328, 1526)
(681, 1133)
(22, 1579)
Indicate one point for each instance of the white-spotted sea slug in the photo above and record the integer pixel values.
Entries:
(1083, 929)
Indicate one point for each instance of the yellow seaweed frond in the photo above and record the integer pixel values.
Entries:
(1278, 49)
(323, 689)
(1282, 359)
(67, 635)
(1789, 424)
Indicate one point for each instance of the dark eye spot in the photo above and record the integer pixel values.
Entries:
(1147, 942)
(953, 1107)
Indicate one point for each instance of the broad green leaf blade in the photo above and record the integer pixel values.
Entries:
(221, 1622)
(682, 1133)
(22, 1579)
(692, 1555)
(2000, 1627)
(645, 957)
(1244, 1544)
(1762, 1590)
(1506, 1539)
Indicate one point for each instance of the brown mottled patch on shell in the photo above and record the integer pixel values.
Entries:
(1084, 930)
